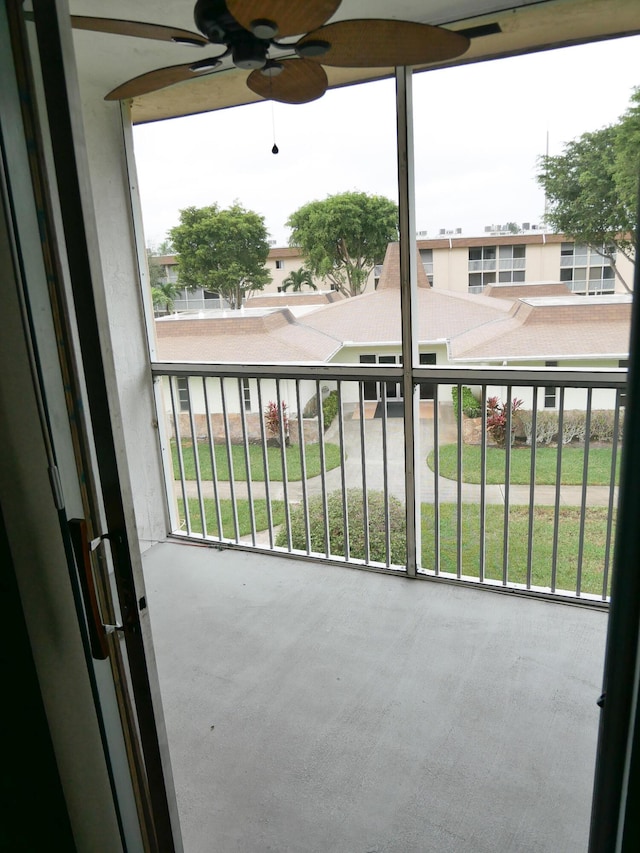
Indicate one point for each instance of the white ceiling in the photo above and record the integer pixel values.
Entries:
(105, 61)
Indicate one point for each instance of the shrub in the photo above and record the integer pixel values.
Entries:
(602, 423)
(574, 426)
(497, 419)
(272, 420)
(471, 407)
(377, 526)
(547, 428)
(546, 425)
(329, 409)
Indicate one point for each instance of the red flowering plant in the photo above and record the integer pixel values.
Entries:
(497, 419)
(272, 420)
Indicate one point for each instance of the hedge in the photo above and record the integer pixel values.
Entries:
(574, 425)
(377, 526)
(471, 406)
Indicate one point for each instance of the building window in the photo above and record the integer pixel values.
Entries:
(511, 263)
(550, 391)
(426, 256)
(183, 393)
(279, 265)
(585, 270)
(246, 394)
(482, 267)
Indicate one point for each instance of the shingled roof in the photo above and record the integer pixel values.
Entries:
(476, 328)
(551, 328)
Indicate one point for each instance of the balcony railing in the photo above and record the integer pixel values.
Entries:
(512, 263)
(326, 475)
(488, 264)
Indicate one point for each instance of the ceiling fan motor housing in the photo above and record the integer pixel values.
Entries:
(213, 20)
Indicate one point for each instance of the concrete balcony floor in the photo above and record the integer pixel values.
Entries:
(312, 708)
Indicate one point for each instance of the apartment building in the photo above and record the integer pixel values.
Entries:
(469, 264)
(462, 264)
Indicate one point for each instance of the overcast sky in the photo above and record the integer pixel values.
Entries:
(478, 132)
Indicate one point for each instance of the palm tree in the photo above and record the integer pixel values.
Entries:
(163, 295)
(297, 279)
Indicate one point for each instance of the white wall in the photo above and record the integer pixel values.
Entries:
(121, 313)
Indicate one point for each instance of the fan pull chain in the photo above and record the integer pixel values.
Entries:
(275, 148)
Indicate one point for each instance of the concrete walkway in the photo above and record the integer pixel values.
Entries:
(374, 471)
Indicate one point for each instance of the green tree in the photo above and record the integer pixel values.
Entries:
(297, 279)
(164, 295)
(156, 271)
(583, 190)
(344, 236)
(627, 157)
(221, 250)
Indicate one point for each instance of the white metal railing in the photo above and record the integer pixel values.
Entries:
(512, 263)
(488, 264)
(329, 479)
(573, 260)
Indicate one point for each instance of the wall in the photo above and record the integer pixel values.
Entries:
(121, 313)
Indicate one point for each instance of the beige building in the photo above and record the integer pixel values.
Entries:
(541, 324)
(469, 264)
(462, 264)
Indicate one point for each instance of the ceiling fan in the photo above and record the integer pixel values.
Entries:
(250, 33)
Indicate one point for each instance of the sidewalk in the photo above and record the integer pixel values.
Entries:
(374, 471)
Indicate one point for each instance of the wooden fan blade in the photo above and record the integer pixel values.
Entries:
(137, 29)
(292, 19)
(374, 43)
(151, 81)
(298, 82)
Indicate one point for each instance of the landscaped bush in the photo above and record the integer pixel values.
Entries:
(574, 425)
(602, 424)
(497, 414)
(329, 409)
(377, 526)
(272, 417)
(471, 407)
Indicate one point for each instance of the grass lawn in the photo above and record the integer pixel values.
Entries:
(546, 459)
(256, 459)
(226, 513)
(595, 530)
(542, 543)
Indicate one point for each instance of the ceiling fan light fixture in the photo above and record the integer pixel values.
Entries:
(263, 28)
(312, 48)
(272, 68)
(249, 55)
